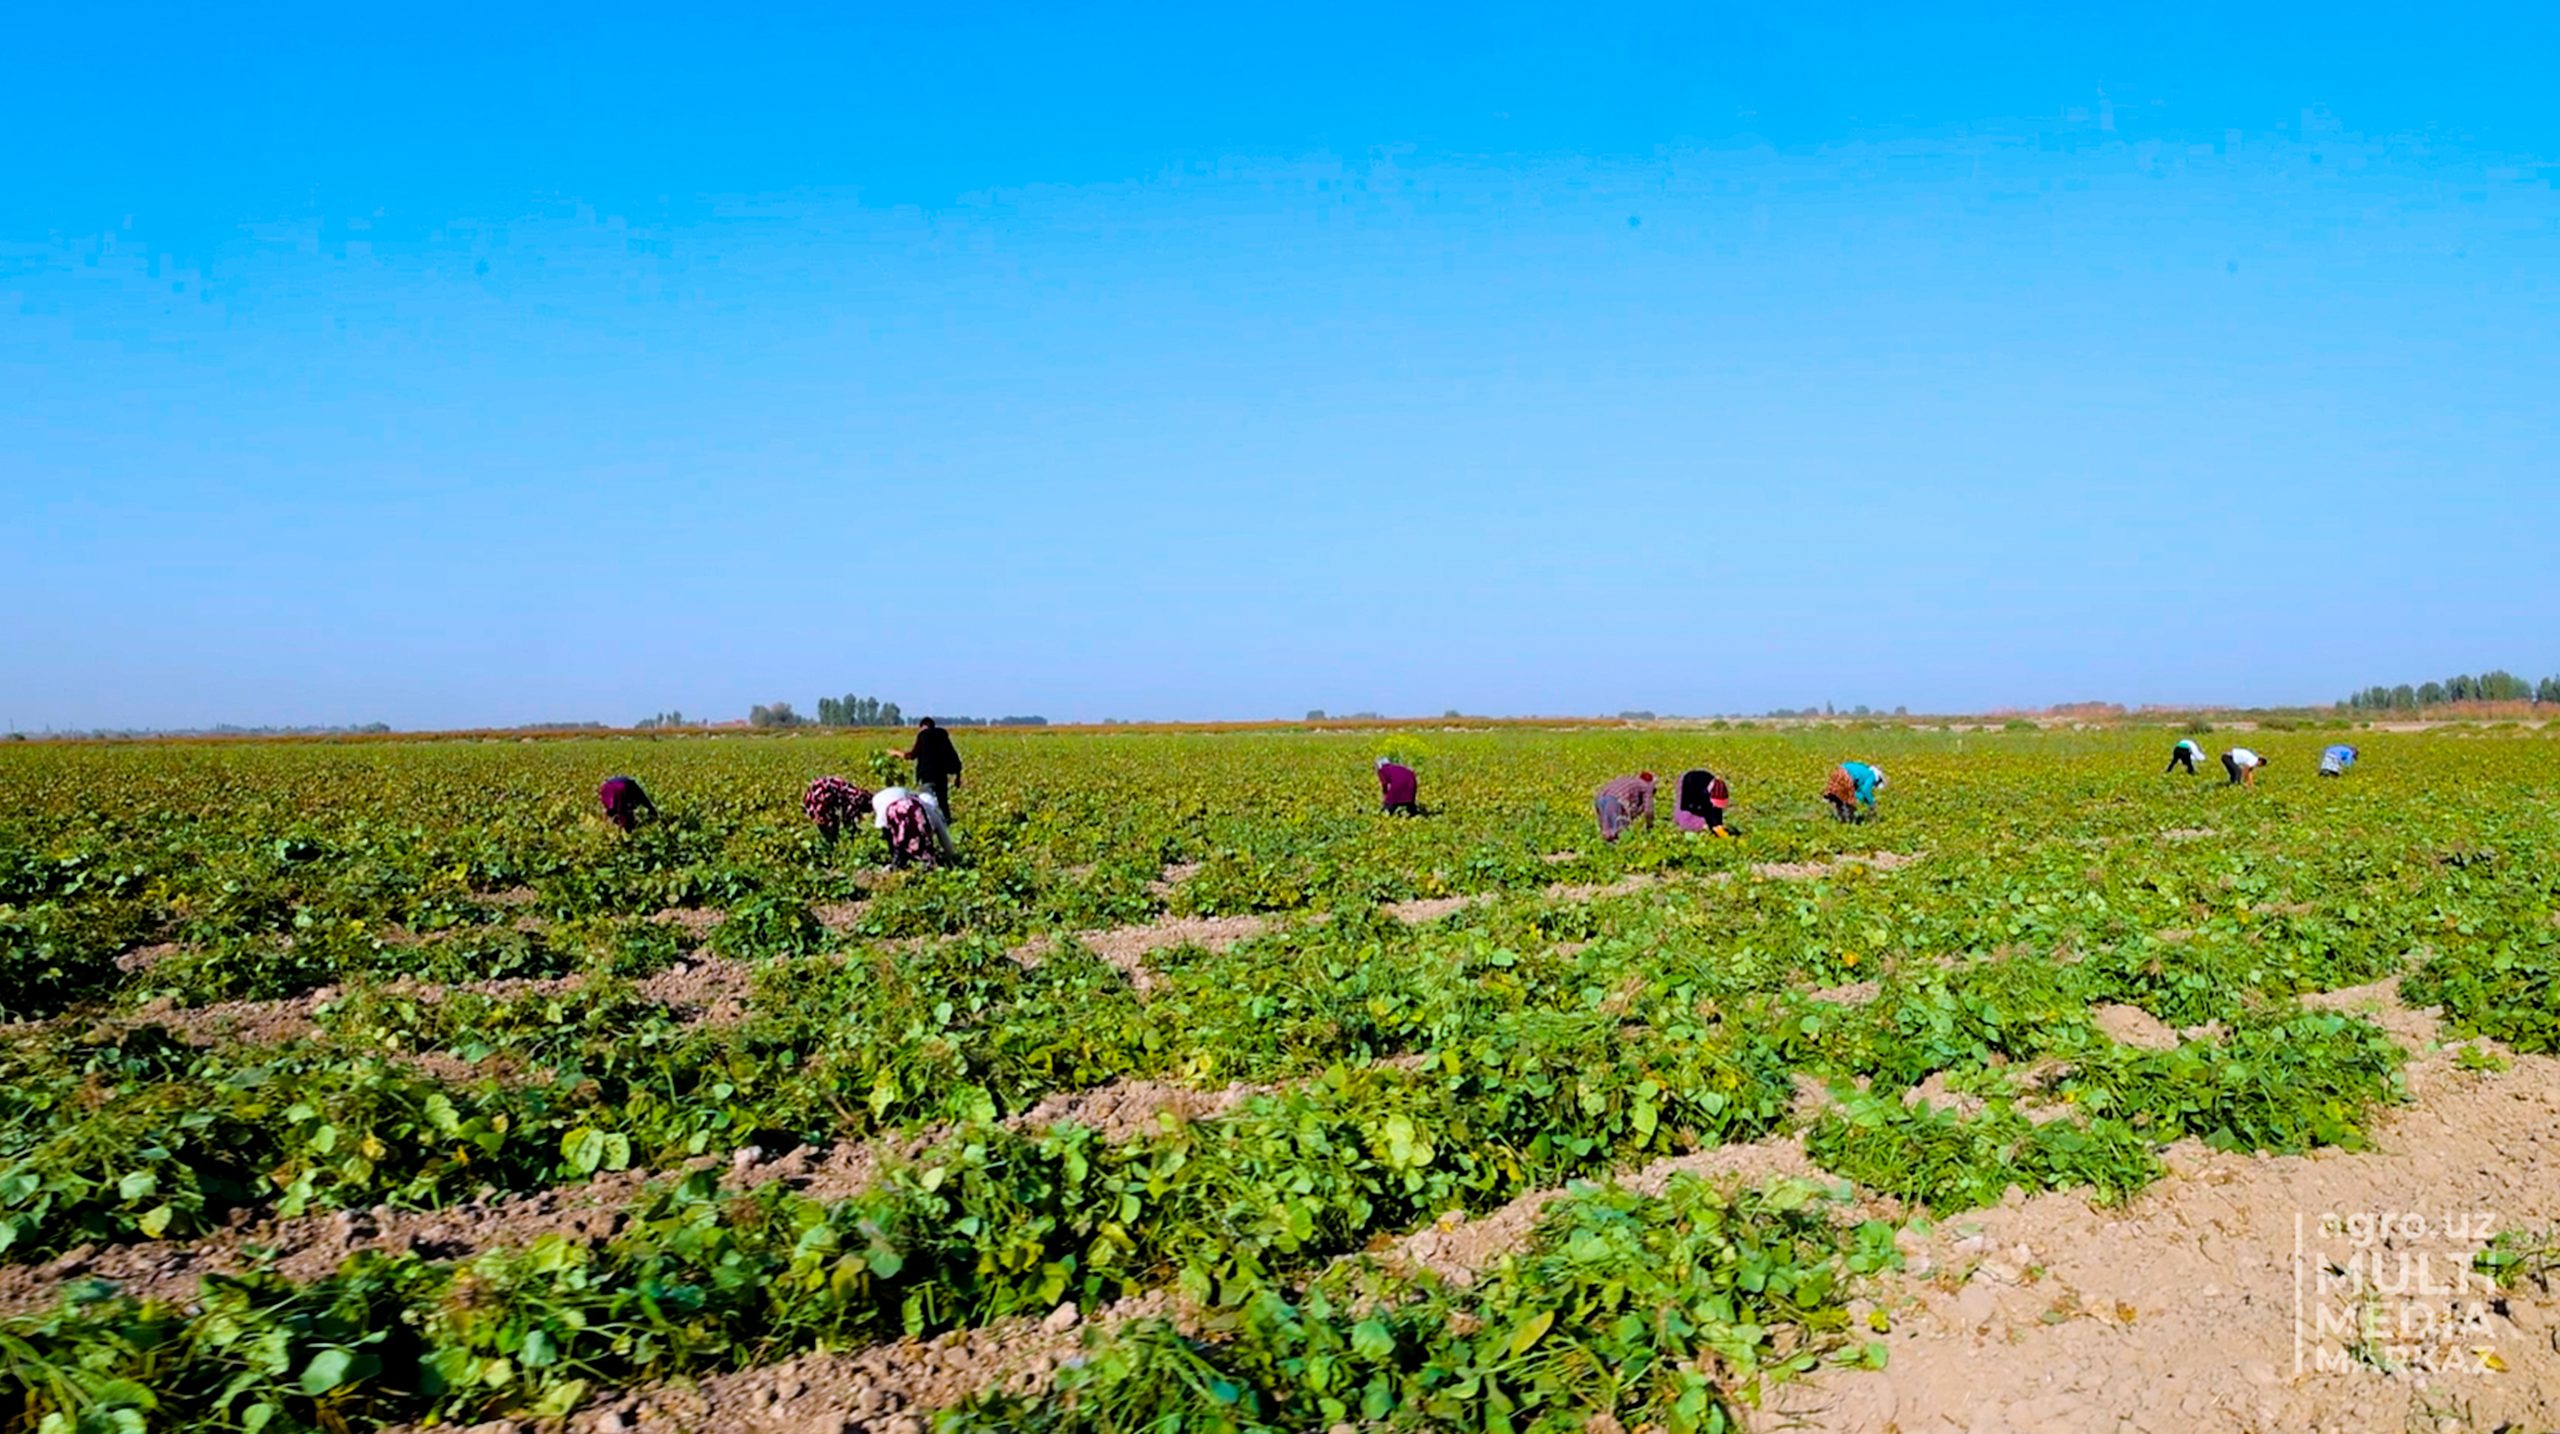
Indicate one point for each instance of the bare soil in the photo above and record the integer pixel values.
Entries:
(2177, 1311)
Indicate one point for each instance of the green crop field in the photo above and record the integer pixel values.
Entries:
(270, 997)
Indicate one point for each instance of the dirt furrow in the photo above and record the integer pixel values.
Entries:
(712, 988)
(1127, 947)
(306, 1247)
(894, 1388)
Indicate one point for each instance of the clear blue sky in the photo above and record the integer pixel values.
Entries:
(484, 364)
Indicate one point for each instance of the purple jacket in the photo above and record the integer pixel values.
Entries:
(1397, 784)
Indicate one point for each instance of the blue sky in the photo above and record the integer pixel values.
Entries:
(459, 366)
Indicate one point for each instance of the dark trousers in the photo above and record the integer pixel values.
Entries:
(2183, 757)
(941, 789)
(2232, 768)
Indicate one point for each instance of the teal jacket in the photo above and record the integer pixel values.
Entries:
(1864, 777)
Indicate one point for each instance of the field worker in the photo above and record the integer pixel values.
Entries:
(1620, 803)
(914, 825)
(834, 804)
(1398, 789)
(624, 802)
(2183, 755)
(2243, 766)
(937, 761)
(1701, 805)
(1851, 791)
(2334, 761)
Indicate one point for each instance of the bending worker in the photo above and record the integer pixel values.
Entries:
(833, 804)
(1398, 789)
(1621, 802)
(2242, 765)
(2183, 755)
(1701, 803)
(913, 824)
(1851, 791)
(624, 802)
(2334, 761)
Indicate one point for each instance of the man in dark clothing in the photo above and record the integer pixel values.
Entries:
(937, 762)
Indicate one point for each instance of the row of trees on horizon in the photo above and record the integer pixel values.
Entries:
(2495, 685)
(849, 710)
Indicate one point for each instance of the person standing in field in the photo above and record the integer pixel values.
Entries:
(937, 762)
(2334, 761)
(1701, 804)
(833, 804)
(1399, 789)
(624, 802)
(1619, 804)
(2183, 755)
(2242, 765)
(1851, 791)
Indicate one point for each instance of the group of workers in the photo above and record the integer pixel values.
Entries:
(2240, 765)
(1699, 805)
(916, 821)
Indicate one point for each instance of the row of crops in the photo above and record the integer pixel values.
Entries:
(489, 948)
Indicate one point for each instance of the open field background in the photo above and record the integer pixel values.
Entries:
(365, 1083)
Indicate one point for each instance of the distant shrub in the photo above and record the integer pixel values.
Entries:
(2197, 727)
(2017, 724)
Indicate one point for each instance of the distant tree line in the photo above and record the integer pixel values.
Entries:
(2496, 685)
(853, 711)
(1827, 710)
(219, 729)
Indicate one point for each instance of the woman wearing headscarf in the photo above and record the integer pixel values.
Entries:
(624, 802)
(914, 825)
(1851, 791)
(1398, 789)
(1702, 802)
(833, 804)
(1619, 804)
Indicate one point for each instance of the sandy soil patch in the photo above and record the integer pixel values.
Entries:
(307, 1247)
(2133, 1026)
(694, 922)
(1809, 870)
(2178, 1310)
(1126, 947)
(143, 958)
(1171, 877)
(1856, 993)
